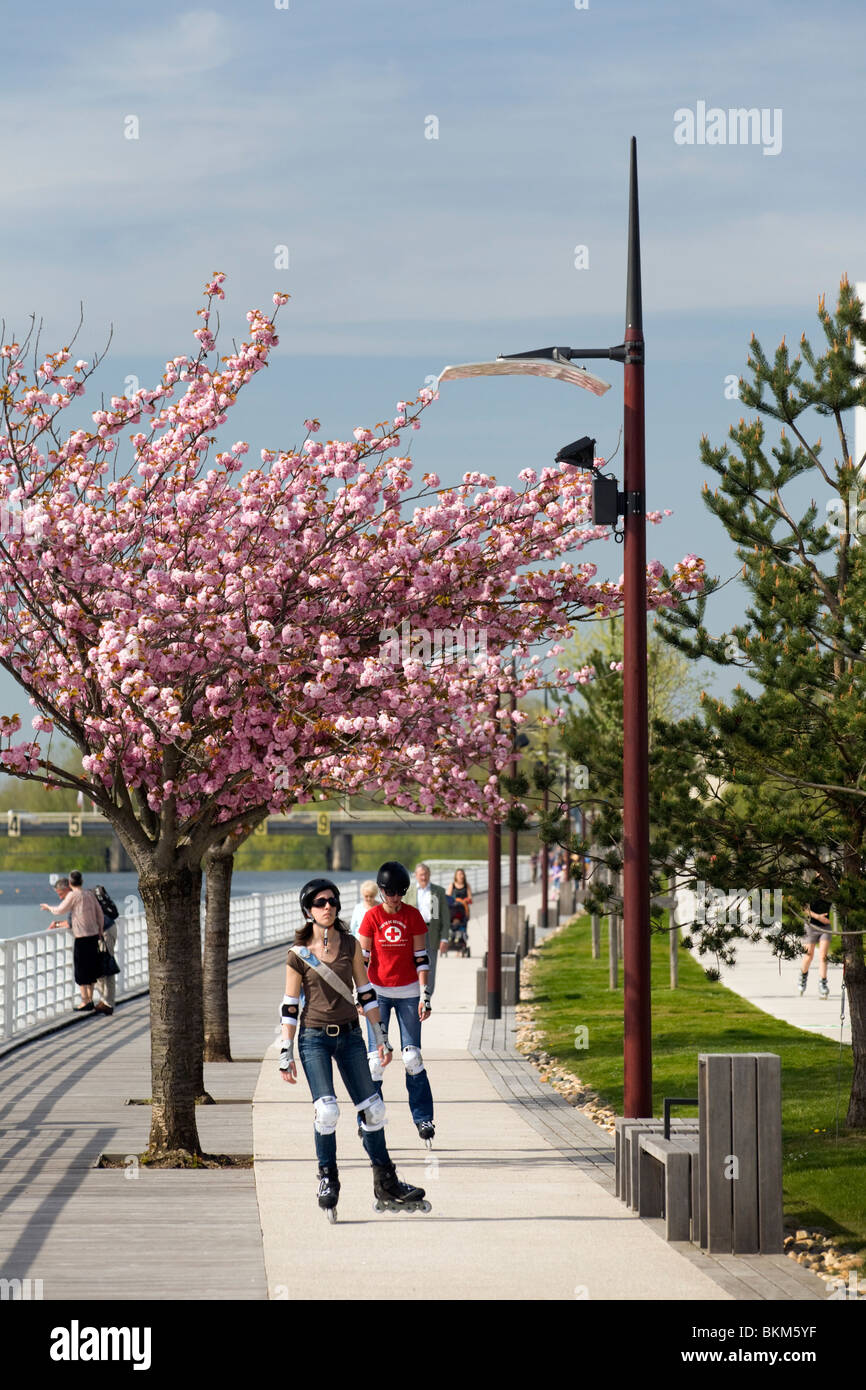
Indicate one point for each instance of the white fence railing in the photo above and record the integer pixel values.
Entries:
(37, 986)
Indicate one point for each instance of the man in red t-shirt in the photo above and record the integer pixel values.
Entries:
(393, 938)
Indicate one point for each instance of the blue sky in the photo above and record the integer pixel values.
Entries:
(305, 127)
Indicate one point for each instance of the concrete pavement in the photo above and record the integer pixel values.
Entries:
(521, 1187)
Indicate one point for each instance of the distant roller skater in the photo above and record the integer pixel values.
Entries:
(818, 933)
(325, 962)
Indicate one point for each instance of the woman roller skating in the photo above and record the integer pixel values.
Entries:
(325, 962)
(394, 940)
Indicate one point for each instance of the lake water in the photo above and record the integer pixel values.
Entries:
(21, 893)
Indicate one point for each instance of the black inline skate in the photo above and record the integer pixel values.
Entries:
(427, 1131)
(329, 1190)
(391, 1194)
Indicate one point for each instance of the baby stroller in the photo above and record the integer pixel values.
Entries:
(457, 932)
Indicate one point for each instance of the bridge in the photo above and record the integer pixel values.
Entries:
(340, 826)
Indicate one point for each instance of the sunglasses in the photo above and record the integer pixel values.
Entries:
(324, 902)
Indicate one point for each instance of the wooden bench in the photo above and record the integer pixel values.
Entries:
(721, 1173)
(668, 1182)
(627, 1155)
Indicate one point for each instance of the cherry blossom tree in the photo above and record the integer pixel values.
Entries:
(210, 638)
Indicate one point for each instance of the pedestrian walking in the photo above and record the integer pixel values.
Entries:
(106, 985)
(460, 890)
(326, 962)
(557, 871)
(432, 902)
(393, 938)
(86, 923)
(369, 898)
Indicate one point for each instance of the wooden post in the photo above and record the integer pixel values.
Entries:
(613, 950)
(714, 1091)
(674, 934)
(739, 1207)
(769, 1139)
(745, 1239)
(595, 922)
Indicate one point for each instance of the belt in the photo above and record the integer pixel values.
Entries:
(333, 1030)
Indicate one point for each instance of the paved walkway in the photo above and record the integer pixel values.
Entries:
(521, 1184)
(763, 979)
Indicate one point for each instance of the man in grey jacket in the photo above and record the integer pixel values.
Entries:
(432, 902)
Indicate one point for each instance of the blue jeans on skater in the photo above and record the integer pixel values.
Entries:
(318, 1051)
(420, 1095)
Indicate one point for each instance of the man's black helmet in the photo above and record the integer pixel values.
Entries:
(313, 889)
(393, 878)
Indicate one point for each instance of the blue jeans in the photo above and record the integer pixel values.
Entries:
(318, 1052)
(420, 1095)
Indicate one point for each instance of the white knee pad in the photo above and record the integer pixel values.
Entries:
(412, 1060)
(371, 1113)
(375, 1065)
(327, 1113)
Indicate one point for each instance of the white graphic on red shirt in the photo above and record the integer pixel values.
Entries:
(392, 933)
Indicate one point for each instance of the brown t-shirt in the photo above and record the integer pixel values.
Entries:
(323, 1004)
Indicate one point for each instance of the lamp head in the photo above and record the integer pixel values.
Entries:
(580, 454)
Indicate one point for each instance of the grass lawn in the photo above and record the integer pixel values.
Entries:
(824, 1180)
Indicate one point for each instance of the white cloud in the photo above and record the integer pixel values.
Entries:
(194, 42)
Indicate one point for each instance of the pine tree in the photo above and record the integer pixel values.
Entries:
(591, 735)
(770, 789)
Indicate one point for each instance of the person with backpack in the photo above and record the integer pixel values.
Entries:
(86, 922)
(107, 985)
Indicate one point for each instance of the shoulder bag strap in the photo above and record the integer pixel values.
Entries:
(325, 971)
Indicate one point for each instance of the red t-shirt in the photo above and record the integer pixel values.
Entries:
(392, 948)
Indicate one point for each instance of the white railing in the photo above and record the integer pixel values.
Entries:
(37, 986)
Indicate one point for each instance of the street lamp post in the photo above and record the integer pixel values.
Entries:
(512, 837)
(637, 1053)
(608, 505)
(494, 912)
(545, 851)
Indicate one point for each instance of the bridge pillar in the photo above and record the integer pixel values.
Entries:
(119, 861)
(341, 850)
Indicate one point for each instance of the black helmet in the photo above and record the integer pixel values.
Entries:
(393, 878)
(312, 889)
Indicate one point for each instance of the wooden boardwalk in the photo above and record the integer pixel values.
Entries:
(130, 1233)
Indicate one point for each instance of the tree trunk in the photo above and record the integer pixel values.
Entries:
(215, 967)
(172, 903)
(855, 980)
